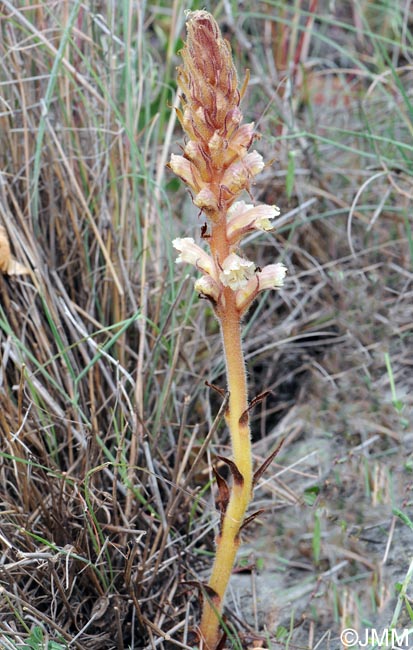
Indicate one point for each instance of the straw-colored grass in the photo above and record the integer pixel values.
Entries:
(108, 432)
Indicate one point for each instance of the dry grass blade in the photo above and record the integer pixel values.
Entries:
(77, 492)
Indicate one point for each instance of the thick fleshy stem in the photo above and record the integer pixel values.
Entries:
(228, 539)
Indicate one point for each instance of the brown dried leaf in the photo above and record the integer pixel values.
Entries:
(222, 642)
(210, 593)
(223, 492)
(8, 265)
(236, 474)
(260, 471)
(251, 518)
(100, 607)
(256, 400)
(259, 398)
(219, 390)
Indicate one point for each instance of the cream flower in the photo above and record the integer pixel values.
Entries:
(186, 170)
(191, 151)
(206, 200)
(244, 217)
(271, 277)
(238, 175)
(216, 143)
(236, 271)
(207, 287)
(241, 139)
(235, 178)
(191, 253)
(254, 163)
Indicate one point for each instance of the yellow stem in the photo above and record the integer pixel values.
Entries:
(228, 539)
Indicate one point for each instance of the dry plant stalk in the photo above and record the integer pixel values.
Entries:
(217, 167)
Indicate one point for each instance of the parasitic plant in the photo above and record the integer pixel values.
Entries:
(217, 166)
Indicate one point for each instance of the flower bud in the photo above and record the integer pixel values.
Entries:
(216, 143)
(254, 163)
(191, 150)
(218, 149)
(232, 120)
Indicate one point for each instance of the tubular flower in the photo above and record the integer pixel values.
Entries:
(191, 253)
(242, 139)
(271, 277)
(238, 175)
(236, 271)
(186, 170)
(244, 218)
